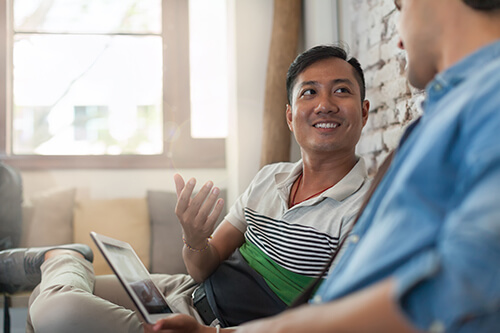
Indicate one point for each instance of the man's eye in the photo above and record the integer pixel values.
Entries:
(308, 92)
(341, 90)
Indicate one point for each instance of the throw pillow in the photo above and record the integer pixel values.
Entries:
(166, 232)
(123, 219)
(49, 218)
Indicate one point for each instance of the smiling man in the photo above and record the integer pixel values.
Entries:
(290, 220)
(276, 239)
(424, 253)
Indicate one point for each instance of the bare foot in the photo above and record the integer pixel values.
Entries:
(58, 252)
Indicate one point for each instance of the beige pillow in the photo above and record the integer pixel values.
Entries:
(48, 219)
(124, 219)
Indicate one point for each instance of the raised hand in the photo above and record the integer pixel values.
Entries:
(197, 215)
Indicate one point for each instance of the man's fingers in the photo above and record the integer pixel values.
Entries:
(180, 322)
(183, 199)
(179, 184)
(200, 198)
(199, 214)
(214, 215)
(209, 203)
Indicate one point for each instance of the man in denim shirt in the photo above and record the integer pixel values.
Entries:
(425, 252)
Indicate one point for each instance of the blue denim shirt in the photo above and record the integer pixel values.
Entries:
(433, 224)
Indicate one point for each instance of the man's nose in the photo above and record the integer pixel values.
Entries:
(326, 105)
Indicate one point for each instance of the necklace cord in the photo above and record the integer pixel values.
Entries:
(294, 194)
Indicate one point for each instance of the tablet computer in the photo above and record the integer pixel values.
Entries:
(134, 277)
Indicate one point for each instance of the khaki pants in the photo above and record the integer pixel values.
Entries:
(70, 298)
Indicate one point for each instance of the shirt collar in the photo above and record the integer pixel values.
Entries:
(340, 191)
(465, 68)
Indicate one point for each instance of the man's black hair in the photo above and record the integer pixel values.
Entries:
(315, 54)
(483, 4)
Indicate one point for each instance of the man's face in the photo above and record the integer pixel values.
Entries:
(419, 29)
(327, 114)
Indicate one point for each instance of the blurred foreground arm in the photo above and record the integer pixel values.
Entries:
(369, 310)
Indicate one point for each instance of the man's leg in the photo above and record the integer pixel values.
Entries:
(66, 303)
(70, 289)
(178, 290)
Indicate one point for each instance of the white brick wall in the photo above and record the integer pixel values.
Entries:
(394, 103)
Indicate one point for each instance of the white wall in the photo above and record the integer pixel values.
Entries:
(107, 184)
(320, 22)
(253, 27)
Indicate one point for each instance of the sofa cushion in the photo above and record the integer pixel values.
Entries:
(48, 218)
(123, 219)
(166, 232)
(11, 198)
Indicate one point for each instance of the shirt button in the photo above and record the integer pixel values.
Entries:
(317, 299)
(354, 239)
(436, 327)
(438, 87)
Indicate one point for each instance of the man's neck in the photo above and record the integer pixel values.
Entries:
(318, 173)
(466, 33)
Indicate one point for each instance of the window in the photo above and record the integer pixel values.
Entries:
(99, 84)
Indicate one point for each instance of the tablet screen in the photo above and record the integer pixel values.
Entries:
(138, 279)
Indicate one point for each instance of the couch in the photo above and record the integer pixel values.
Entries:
(149, 224)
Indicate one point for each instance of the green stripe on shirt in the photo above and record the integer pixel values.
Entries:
(285, 284)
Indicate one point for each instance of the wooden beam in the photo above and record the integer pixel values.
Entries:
(283, 50)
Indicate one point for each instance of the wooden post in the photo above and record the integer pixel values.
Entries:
(283, 50)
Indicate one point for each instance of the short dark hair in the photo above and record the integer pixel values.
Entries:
(315, 54)
(485, 5)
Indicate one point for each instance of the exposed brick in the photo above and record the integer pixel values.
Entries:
(391, 137)
(394, 103)
(370, 142)
(387, 7)
(370, 57)
(398, 87)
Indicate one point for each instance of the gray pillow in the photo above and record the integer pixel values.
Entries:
(166, 232)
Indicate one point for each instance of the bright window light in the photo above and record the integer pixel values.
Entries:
(208, 68)
(87, 77)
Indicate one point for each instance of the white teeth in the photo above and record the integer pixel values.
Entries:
(327, 125)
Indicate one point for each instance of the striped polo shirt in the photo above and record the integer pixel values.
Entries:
(289, 247)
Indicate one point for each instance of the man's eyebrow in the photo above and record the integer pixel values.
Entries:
(335, 81)
(346, 81)
(308, 83)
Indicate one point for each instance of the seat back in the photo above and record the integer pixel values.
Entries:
(11, 198)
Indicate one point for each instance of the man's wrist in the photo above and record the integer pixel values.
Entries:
(197, 247)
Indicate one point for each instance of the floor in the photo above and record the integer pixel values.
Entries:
(17, 320)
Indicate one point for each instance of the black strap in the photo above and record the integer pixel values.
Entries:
(6, 313)
(200, 302)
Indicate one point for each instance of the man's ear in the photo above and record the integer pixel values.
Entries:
(365, 110)
(289, 116)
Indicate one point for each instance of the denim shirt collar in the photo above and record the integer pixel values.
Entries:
(465, 68)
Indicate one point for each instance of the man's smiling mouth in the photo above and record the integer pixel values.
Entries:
(327, 125)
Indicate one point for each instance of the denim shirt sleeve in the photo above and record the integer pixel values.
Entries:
(455, 285)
